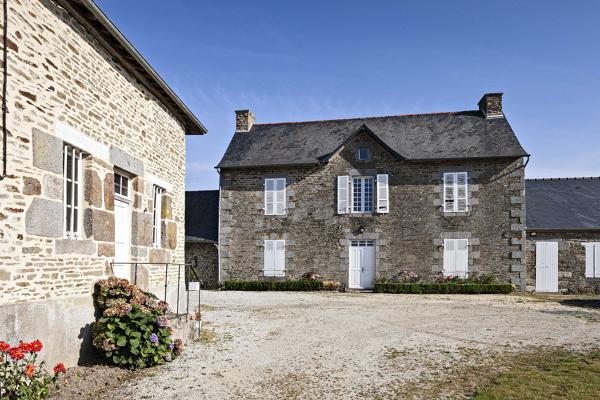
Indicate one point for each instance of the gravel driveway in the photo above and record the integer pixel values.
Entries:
(355, 345)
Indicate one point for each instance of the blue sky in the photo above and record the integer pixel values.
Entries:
(306, 60)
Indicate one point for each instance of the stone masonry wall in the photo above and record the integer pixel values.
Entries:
(571, 260)
(409, 237)
(206, 257)
(60, 79)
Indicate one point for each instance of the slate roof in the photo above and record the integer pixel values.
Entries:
(563, 204)
(202, 216)
(453, 135)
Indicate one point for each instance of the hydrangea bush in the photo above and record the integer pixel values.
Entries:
(21, 377)
(133, 330)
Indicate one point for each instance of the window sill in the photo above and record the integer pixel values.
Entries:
(457, 213)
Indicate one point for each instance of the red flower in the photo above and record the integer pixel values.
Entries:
(29, 370)
(16, 353)
(60, 367)
(4, 347)
(36, 346)
(24, 346)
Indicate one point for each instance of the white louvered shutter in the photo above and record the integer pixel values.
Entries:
(461, 191)
(462, 257)
(448, 192)
(269, 258)
(342, 194)
(449, 258)
(269, 196)
(589, 260)
(280, 196)
(383, 194)
(279, 258)
(597, 260)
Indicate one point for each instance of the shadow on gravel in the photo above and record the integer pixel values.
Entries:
(583, 303)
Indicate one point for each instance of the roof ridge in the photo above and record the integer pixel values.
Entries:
(573, 178)
(362, 118)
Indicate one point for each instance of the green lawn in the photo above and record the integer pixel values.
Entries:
(547, 377)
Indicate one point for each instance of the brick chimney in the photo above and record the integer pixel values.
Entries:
(491, 105)
(244, 119)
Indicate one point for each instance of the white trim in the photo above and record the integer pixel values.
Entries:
(156, 181)
(362, 194)
(83, 142)
(274, 194)
(157, 193)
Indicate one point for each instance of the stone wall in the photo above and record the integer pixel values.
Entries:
(571, 260)
(205, 257)
(64, 88)
(409, 237)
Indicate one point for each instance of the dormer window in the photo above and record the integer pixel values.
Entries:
(363, 154)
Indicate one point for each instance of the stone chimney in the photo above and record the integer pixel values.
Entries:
(244, 119)
(491, 105)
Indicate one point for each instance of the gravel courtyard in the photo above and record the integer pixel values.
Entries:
(273, 345)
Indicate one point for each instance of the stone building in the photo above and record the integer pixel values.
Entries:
(95, 163)
(201, 234)
(563, 235)
(357, 199)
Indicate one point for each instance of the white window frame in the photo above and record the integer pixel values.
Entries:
(72, 225)
(368, 154)
(362, 209)
(592, 259)
(277, 269)
(118, 175)
(157, 193)
(451, 190)
(271, 206)
(455, 243)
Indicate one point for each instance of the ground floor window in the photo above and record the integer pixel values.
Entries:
(274, 258)
(157, 217)
(456, 257)
(72, 191)
(592, 260)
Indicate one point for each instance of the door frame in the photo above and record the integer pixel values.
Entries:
(367, 243)
(552, 270)
(126, 200)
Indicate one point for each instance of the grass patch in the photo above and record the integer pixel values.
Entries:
(547, 377)
(208, 336)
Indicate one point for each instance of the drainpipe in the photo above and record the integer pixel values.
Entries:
(4, 85)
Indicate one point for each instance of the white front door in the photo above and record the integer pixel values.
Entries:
(122, 233)
(362, 264)
(546, 267)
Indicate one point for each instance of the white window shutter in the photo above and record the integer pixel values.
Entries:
(597, 260)
(280, 203)
(462, 257)
(449, 192)
(449, 258)
(342, 194)
(383, 194)
(461, 191)
(269, 258)
(279, 267)
(269, 196)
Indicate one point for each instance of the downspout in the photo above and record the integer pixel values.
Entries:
(4, 88)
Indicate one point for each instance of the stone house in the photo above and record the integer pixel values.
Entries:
(563, 235)
(201, 234)
(94, 167)
(365, 198)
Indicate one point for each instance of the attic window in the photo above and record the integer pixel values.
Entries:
(362, 154)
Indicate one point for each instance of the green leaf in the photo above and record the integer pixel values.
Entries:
(122, 341)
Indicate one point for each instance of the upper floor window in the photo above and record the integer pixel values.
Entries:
(592, 260)
(121, 185)
(357, 194)
(455, 192)
(157, 217)
(362, 154)
(275, 196)
(362, 194)
(72, 191)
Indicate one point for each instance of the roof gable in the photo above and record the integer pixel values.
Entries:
(563, 204)
(456, 135)
(362, 129)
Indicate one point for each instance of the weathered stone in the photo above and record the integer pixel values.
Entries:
(68, 246)
(126, 161)
(4, 275)
(141, 229)
(159, 256)
(106, 250)
(167, 207)
(109, 191)
(204, 260)
(53, 186)
(92, 192)
(47, 151)
(31, 186)
(138, 184)
(44, 218)
(99, 225)
(171, 235)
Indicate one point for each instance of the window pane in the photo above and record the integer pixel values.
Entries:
(76, 198)
(69, 193)
(270, 184)
(75, 218)
(280, 184)
(368, 200)
(357, 194)
(124, 186)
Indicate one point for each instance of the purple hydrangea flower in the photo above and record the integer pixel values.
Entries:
(154, 338)
(171, 346)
